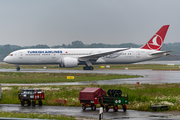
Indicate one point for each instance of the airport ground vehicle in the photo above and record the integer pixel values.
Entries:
(30, 96)
(93, 96)
(115, 98)
(90, 97)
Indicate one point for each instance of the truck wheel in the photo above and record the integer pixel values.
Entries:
(40, 103)
(33, 103)
(29, 103)
(124, 108)
(93, 107)
(106, 108)
(115, 108)
(22, 103)
(109, 92)
(83, 107)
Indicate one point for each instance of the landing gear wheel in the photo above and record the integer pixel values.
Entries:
(83, 107)
(88, 68)
(33, 103)
(91, 68)
(40, 103)
(22, 103)
(18, 68)
(84, 68)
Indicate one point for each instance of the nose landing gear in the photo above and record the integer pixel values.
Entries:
(17, 67)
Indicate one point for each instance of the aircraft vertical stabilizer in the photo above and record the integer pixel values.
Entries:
(157, 40)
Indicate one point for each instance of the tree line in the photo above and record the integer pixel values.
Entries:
(6, 49)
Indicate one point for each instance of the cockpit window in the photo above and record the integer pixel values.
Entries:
(10, 54)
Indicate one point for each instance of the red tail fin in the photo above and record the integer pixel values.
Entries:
(156, 41)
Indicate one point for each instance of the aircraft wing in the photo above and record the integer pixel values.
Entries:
(160, 52)
(95, 56)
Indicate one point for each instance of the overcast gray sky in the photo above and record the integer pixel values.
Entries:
(54, 22)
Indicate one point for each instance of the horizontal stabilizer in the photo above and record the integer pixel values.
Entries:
(161, 52)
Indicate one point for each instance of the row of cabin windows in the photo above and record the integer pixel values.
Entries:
(76, 54)
(125, 54)
(60, 54)
(35, 54)
(69, 54)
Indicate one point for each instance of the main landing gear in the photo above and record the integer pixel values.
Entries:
(88, 68)
(17, 67)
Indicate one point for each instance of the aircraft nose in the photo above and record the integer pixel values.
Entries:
(5, 60)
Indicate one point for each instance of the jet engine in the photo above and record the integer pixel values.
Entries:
(68, 62)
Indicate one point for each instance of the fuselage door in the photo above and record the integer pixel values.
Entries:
(138, 54)
(20, 55)
(53, 55)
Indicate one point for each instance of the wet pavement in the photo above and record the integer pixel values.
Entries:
(78, 112)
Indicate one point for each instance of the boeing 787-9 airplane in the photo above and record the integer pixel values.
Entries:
(68, 58)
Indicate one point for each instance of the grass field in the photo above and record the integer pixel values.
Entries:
(35, 115)
(112, 66)
(18, 77)
(140, 96)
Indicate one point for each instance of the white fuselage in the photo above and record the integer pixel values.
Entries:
(53, 56)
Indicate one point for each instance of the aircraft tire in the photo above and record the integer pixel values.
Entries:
(91, 68)
(84, 68)
(18, 68)
(88, 68)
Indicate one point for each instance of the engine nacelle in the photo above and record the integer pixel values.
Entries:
(68, 62)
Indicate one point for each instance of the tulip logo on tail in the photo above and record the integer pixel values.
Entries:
(157, 40)
(155, 43)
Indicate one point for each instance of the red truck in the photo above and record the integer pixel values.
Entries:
(29, 96)
(91, 97)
